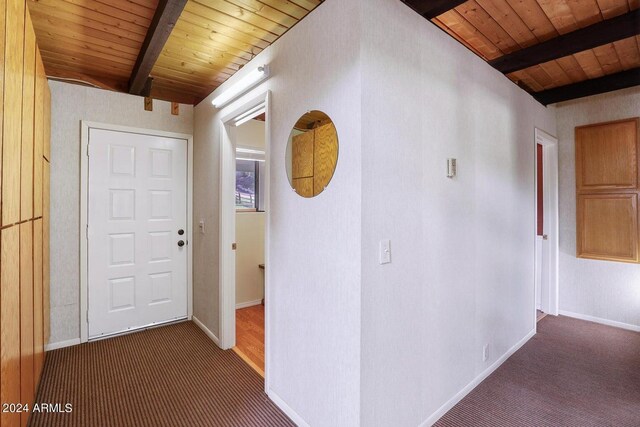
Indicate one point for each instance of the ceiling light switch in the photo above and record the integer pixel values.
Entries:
(385, 251)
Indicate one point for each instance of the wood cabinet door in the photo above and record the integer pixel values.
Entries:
(325, 156)
(302, 155)
(38, 319)
(10, 321)
(27, 392)
(607, 227)
(303, 186)
(46, 257)
(607, 156)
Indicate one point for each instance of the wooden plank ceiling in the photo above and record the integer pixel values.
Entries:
(99, 41)
(494, 29)
(189, 47)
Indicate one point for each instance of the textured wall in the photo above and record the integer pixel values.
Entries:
(602, 289)
(69, 105)
(462, 271)
(313, 355)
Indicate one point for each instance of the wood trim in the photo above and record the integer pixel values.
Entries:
(165, 18)
(248, 361)
(598, 34)
(596, 86)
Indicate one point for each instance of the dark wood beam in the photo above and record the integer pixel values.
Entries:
(432, 8)
(603, 32)
(604, 84)
(165, 18)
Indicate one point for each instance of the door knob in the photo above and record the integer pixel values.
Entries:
(545, 237)
(180, 232)
(181, 243)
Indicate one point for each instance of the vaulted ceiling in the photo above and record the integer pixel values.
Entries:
(181, 50)
(554, 49)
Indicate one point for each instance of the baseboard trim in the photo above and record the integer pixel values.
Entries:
(206, 330)
(61, 344)
(297, 419)
(615, 324)
(475, 382)
(248, 304)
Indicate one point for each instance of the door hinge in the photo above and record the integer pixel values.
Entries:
(87, 312)
(88, 146)
(87, 232)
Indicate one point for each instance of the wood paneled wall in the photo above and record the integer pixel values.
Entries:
(25, 123)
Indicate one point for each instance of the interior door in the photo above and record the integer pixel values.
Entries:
(137, 217)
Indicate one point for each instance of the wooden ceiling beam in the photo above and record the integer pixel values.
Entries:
(598, 34)
(432, 8)
(596, 86)
(165, 18)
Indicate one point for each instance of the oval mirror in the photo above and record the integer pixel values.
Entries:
(312, 154)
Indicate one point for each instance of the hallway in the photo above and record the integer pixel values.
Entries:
(167, 376)
(571, 373)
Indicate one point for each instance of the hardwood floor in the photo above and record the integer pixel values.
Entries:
(250, 336)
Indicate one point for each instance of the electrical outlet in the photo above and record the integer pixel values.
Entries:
(485, 352)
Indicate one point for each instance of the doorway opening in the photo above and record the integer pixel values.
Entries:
(244, 215)
(250, 139)
(547, 221)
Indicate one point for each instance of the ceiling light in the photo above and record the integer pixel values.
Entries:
(247, 82)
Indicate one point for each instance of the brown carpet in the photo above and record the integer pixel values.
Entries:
(572, 373)
(169, 376)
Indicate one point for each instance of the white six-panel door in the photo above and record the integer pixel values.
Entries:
(137, 208)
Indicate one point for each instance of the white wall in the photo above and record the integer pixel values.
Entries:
(69, 105)
(462, 271)
(604, 290)
(250, 228)
(387, 345)
(313, 354)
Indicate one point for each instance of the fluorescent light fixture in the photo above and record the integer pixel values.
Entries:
(251, 160)
(248, 150)
(252, 114)
(241, 86)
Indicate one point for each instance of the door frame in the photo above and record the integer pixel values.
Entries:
(227, 212)
(550, 289)
(85, 126)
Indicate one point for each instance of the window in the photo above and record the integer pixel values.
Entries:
(247, 184)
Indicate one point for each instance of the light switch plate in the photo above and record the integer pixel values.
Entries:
(385, 251)
(201, 227)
